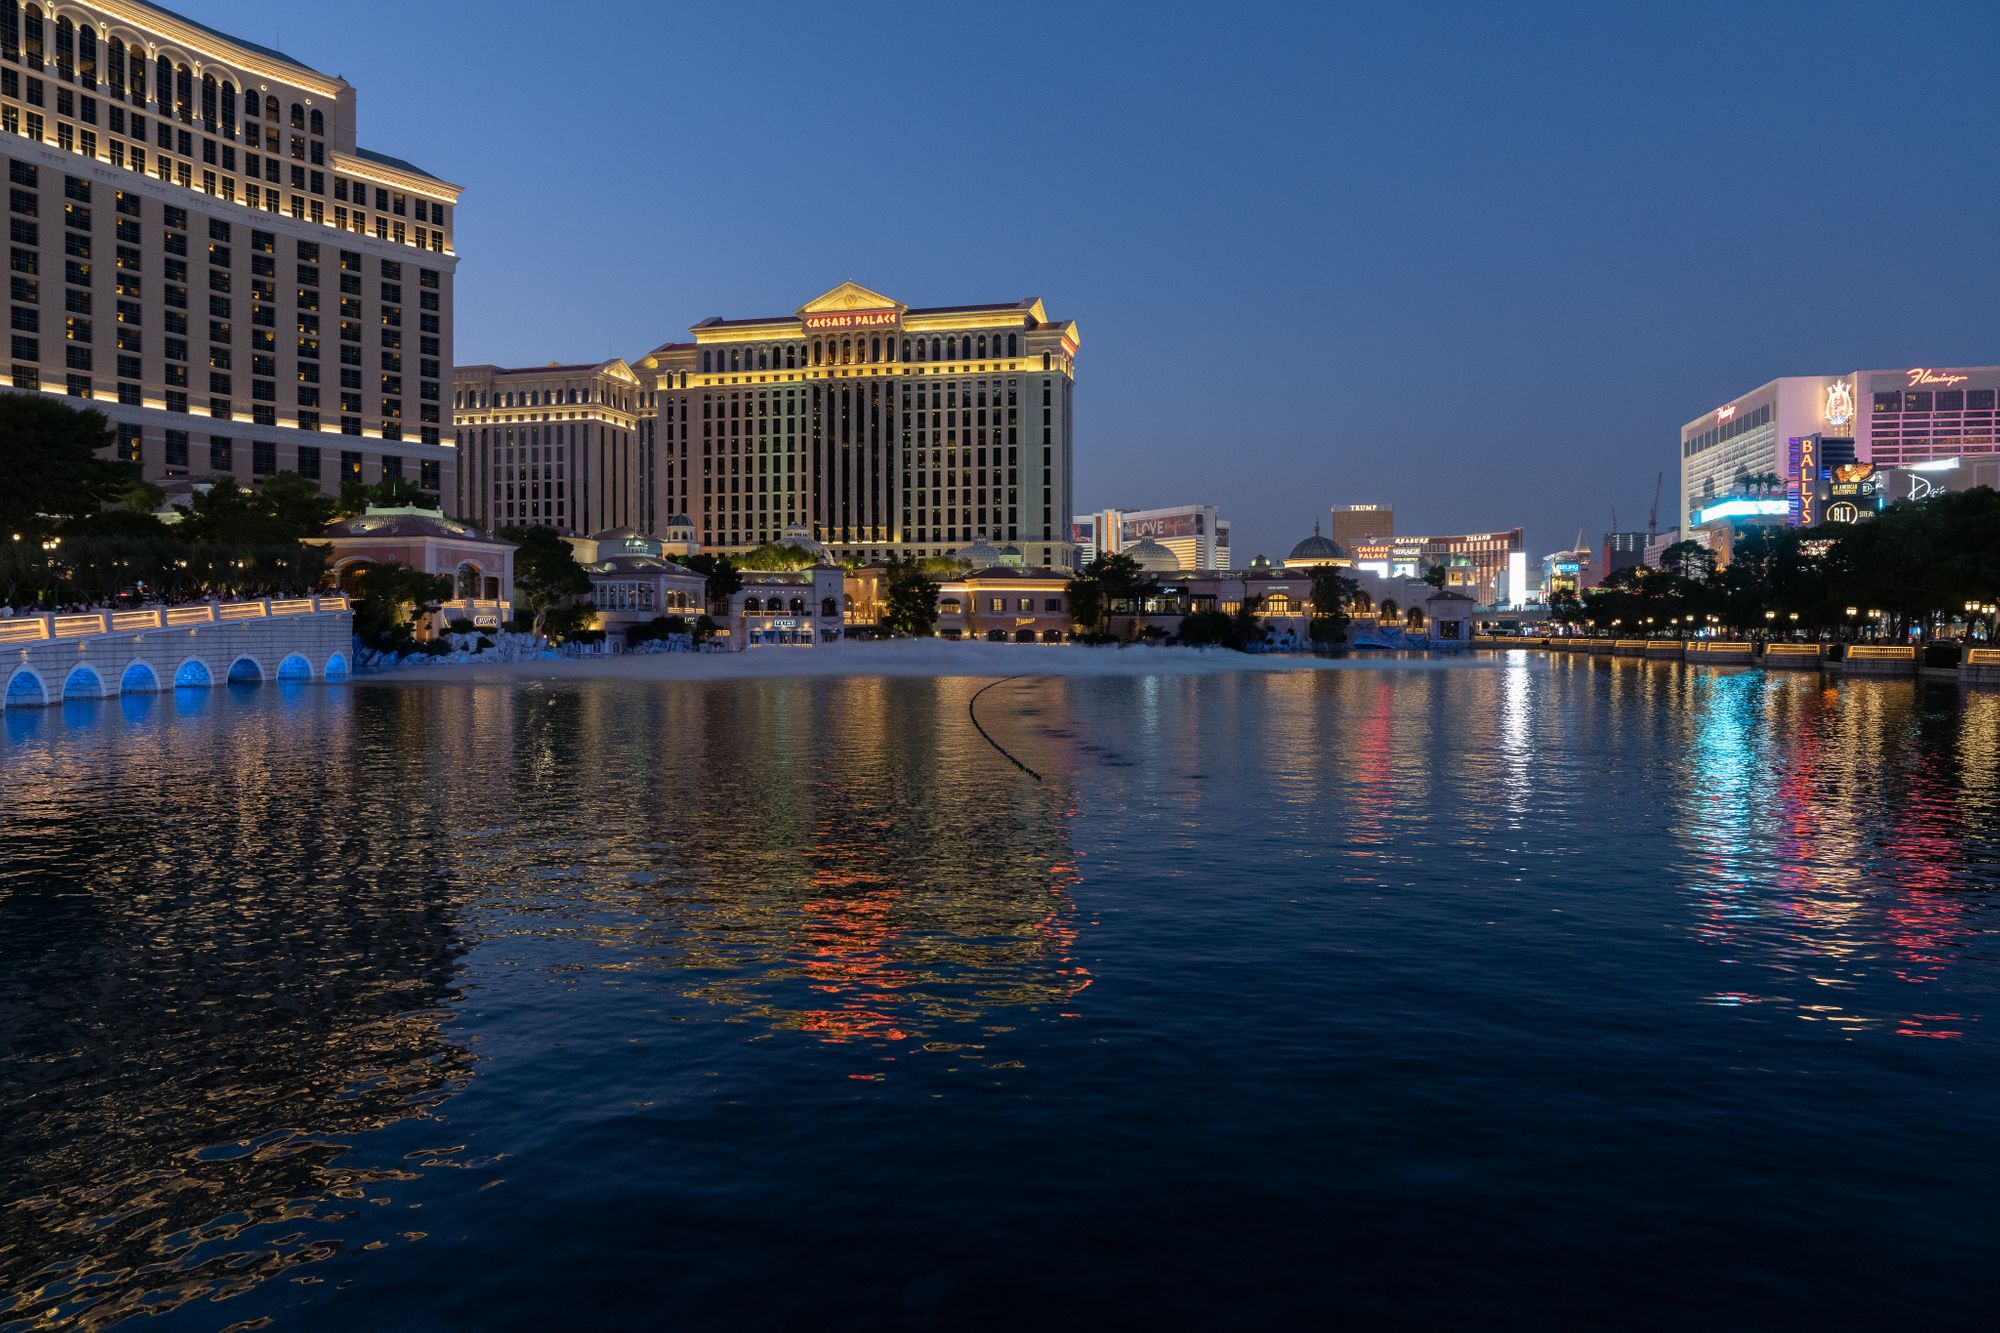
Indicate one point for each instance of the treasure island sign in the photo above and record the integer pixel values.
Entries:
(850, 319)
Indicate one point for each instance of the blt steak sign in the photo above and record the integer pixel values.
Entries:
(851, 319)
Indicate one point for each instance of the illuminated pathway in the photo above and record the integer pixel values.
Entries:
(103, 654)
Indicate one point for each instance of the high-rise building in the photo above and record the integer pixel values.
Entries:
(1363, 525)
(879, 428)
(199, 249)
(555, 446)
(1197, 534)
(1621, 550)
(1095, 534)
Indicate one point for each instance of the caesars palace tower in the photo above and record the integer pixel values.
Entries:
(879, 428)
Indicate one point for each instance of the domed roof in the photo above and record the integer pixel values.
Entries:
(614, 535)
(981, 554)
(407, 521)
(1153, 557)
(680, 521)
(1316, 549)
(1010, 554)
(796, 534)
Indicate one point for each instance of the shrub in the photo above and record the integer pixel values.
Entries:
(484, 643)
(436, 647)
(460, 625)
(1942, 654)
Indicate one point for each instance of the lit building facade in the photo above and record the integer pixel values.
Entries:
(880, 428)
(1198, 535)
(1363, 525)
(1099, 533)
(553, 446)
(1621, 550)
(1797, 429)
(199, 250)
(1478, 564)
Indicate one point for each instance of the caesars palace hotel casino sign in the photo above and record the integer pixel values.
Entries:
(851, 319)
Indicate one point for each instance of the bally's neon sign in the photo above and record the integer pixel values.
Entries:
(1921, 375)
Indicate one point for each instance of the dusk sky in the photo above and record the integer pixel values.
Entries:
(1478, 262)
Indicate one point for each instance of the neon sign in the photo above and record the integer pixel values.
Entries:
(1839, 404)
(851, 319)
(1922, 375)
(1743, 509)
(1724, 413)
(1808, 479)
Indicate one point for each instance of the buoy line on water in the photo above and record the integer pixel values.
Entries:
(971, 711)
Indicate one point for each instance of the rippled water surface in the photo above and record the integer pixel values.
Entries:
(1522, 994)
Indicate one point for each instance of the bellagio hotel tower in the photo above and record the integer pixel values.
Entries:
(198, 249)
(877, 428)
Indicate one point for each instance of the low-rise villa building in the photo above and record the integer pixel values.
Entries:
(1006, 602)
(633, 582)
(480, 565)
(792, 608)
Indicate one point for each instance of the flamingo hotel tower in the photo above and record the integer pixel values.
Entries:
(880, 429)
(198, 249)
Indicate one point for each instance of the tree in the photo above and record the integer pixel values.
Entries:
(390, 597)
(1332, 593)
(546, 574)
(388, 493)
(1690, 560)
(723, 579)
(778, 556)
(297, 506)
(1435, 576)
(1210, 626)
(1565, 606)
(911, 599)
(49, 468)
(1086, 603)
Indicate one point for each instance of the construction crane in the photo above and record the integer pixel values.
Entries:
(1653, 517)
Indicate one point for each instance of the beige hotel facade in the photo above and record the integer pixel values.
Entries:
(553, 446)
(881, 428)
(199, 249)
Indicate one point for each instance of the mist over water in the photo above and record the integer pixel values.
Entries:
(1531, 992)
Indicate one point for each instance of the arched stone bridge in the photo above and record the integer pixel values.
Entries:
(103, 654)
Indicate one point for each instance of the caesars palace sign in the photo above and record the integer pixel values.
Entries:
(851, 319)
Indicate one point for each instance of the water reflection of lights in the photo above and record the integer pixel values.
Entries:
(1827, 843)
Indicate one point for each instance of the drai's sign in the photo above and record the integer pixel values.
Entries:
(851, 319)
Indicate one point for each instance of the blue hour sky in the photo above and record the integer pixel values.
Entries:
(1475, 261)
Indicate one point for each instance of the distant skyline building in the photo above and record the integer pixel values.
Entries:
(1621, 550)
(1197, 535)
(1095, 534)
(1565, 571)
(1356, 525)
(1475, 563)
(880, 428)
(202, 252)
(554, 446)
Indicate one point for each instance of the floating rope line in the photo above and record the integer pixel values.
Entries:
(971, 706)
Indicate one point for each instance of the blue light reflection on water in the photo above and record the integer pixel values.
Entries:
(1576, 991)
